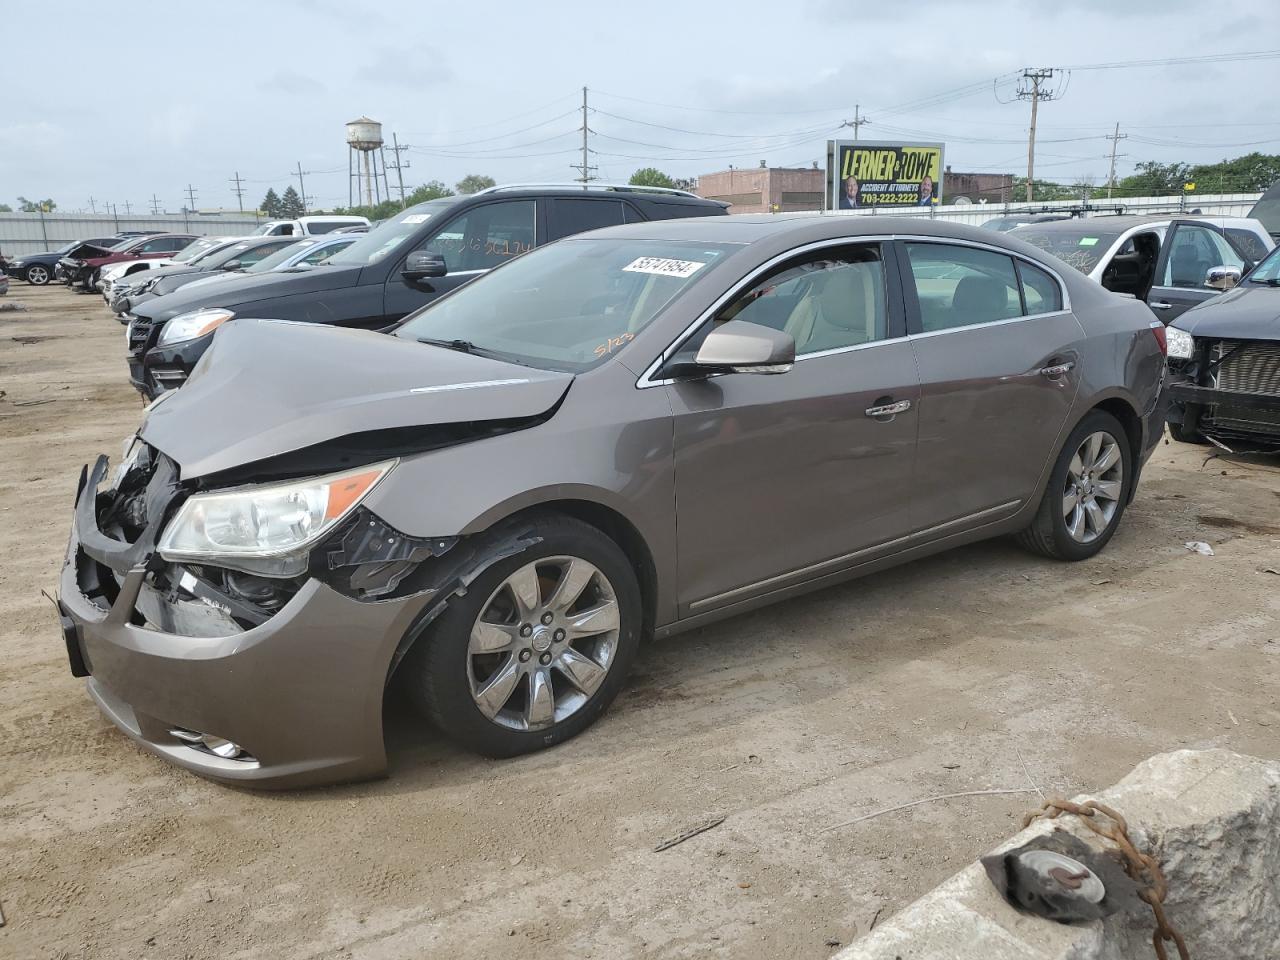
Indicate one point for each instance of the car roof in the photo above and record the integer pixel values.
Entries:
(748, 228)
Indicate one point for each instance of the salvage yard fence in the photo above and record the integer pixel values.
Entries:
(25, 233)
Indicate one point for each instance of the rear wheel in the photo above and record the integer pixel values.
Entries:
(1086, 494)
(37, 274)
(536, 649)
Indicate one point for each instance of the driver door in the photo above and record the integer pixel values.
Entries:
(472, 243)
(781, 479)
(1191, 249)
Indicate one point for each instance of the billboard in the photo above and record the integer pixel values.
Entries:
(873, 173)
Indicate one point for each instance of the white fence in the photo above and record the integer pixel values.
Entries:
(1216, 205)
(22, 233)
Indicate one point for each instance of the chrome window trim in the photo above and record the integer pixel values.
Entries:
(983, 324)
(645, 380)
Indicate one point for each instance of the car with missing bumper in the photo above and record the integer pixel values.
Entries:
(1224, 362)
(37, 269)
(620, 435)
(84, 266)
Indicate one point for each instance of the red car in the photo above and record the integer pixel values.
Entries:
(82, 266)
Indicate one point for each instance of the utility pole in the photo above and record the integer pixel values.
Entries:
(584, 168)
(190, 207)
(1032, 88)
(128, 208)
(239, 190)
(399, 165)
(302, 188)
(155, 206)
(857, 121)
(92, 206)
(1115, 139)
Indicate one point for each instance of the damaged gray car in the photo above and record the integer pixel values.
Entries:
(620, 435)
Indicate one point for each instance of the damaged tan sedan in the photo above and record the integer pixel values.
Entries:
(629, 433)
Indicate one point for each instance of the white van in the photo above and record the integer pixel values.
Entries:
(308, 226)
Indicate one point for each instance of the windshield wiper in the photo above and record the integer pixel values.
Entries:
(462, 346)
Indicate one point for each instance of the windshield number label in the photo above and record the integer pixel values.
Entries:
(664, 267)
(1088, 241)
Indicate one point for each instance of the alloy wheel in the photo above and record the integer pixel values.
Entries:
(543, 643)
(37, 275)
(1095, 483)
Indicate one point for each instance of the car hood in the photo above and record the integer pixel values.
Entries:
(172, 270)
(1249, 312)
(251, 288)
(269, 387)
(86, 251)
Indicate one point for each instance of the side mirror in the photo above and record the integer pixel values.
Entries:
(420, 265)
(233, 265)
(745, 347)
(1222, 277)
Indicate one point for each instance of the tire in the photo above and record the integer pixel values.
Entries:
(1076, 533)
(37, 275)
(448, 679)
(1183, 435)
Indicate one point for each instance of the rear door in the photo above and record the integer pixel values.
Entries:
(999, 367)
(570, 215)
(472, 243)
(1191, 249)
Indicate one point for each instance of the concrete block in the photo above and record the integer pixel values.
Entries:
(1212, 819)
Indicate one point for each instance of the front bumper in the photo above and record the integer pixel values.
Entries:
(154, 370)
(300, 693)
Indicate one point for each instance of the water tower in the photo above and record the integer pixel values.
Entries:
(366, 163)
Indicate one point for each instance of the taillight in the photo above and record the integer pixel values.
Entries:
(1157, 329)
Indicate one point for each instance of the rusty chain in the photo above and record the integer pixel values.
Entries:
(1141, 868)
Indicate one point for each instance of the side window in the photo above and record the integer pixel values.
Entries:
(324, 253)
(578, 216)
(825, 301)
(1248, 243)
(164, 245)
(962, 286)
(631, 214)
(485, 236)
(1194, 252)
(259, 252)
(174, 244)
(1040, 292)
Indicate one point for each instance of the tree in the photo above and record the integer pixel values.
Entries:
(651, 177)
(1152, 179)
(291, 204)
(474, 183)
(270, 204)
(1253, 171)
(5, 208)
(36, 206)
(431, 190)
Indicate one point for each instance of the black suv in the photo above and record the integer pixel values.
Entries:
(405, 263)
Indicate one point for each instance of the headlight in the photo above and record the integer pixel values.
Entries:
(1180, 343)
(266, 529)
(188, 326)
(18, 263)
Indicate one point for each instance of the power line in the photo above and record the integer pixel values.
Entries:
(399, 165)
(1031, 89)
(856, 122)
(584, 168)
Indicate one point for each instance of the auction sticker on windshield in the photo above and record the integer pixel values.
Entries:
(1088, 241)
(417, 218)
(664, 267)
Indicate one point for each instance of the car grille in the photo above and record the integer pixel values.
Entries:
(139, 334)
(1254, 367)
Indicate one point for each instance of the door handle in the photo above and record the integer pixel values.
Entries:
(1159, 304)
(1057, 369)
(889, 409)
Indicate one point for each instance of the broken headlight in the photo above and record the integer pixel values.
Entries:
(188, 326)
(266, 529)
(1181, 344)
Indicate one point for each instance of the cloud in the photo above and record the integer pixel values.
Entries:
(414, 66)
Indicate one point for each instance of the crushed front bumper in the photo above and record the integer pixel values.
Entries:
(301, 694)
(1252, 417)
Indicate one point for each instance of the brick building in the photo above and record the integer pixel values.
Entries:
(765, 189)
(992, 187)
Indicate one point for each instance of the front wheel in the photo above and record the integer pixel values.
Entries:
(537, 648)
(1086, 494)
(37, 275)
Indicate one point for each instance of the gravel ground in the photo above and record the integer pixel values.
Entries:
(980, 669)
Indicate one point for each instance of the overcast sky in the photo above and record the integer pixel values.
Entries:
(120, 102)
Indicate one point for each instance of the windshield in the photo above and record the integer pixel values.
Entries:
(384, 240)
(1267, 210)
(567, 306)
(280, 256)
(197, 249)
(1080, 247)
(1268, 271)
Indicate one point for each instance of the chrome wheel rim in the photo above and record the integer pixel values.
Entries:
(543, 643)
(38, 276)
(1095, 482)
